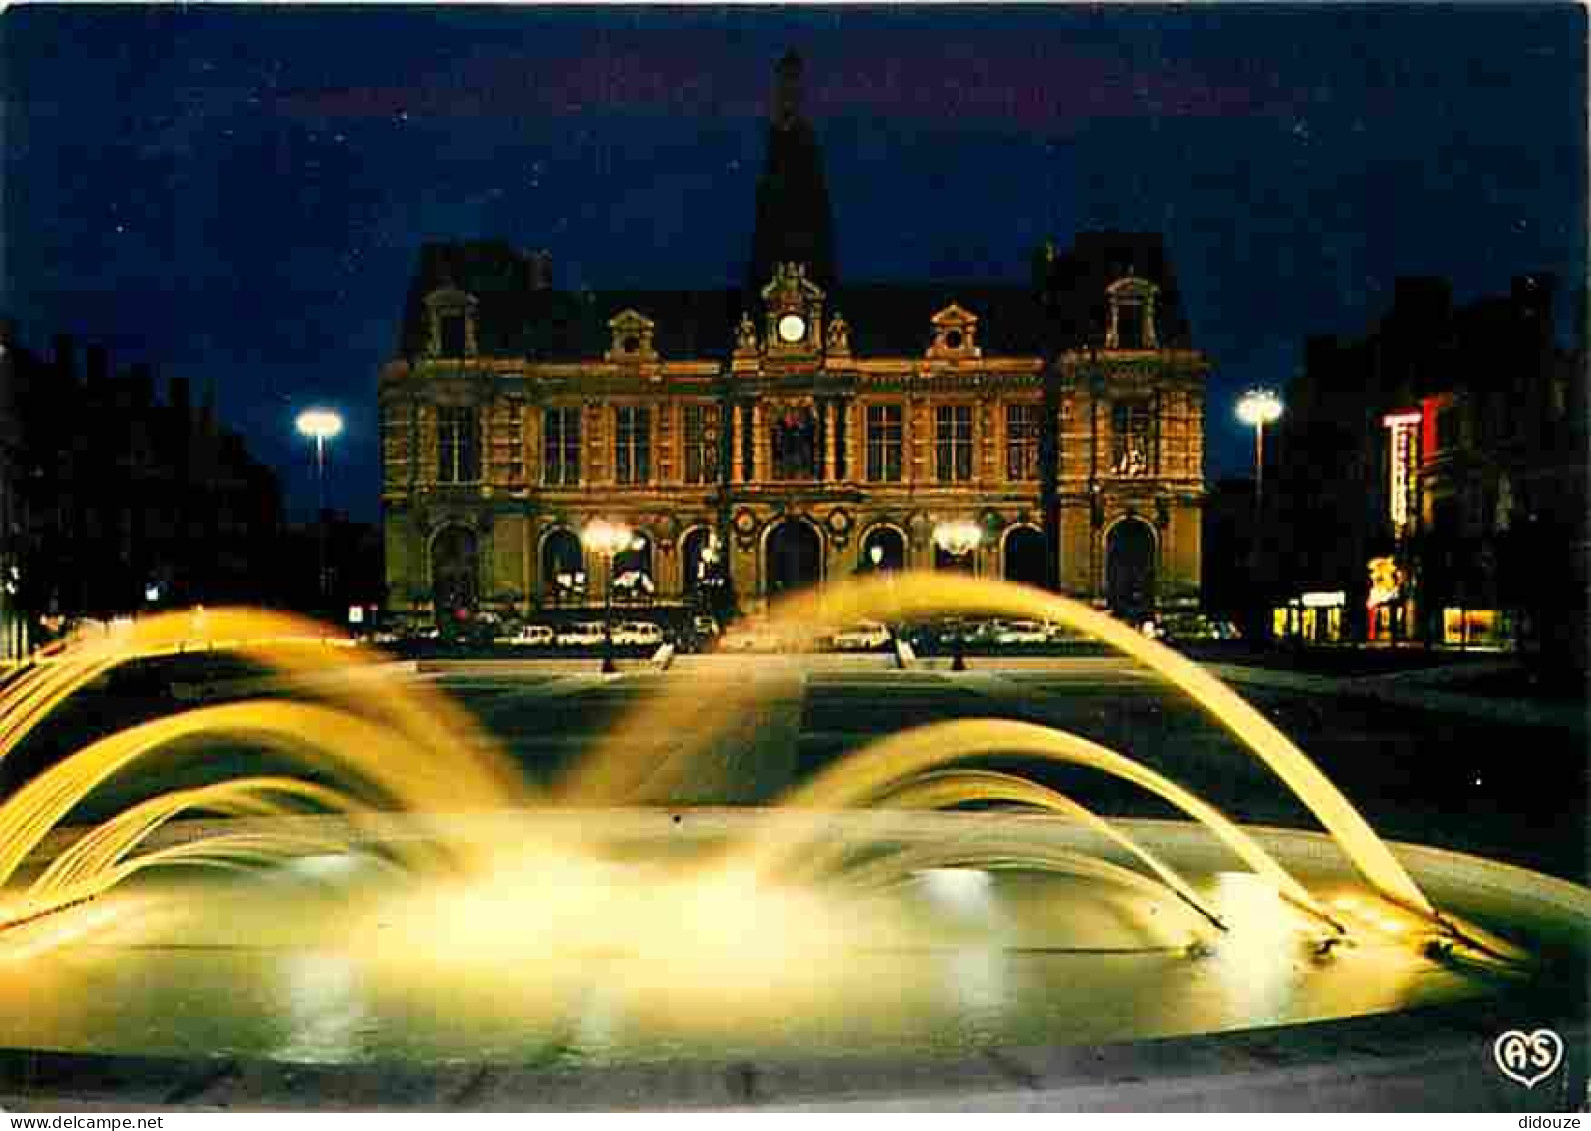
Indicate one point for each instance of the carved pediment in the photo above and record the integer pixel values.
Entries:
(1132, 286)
(449, 298)
(631, 337)
(955, 333)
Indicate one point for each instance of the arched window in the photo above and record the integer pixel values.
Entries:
(563, 571)
(1130, 568)
(454, 571)
(1025, 556)
(883, 548)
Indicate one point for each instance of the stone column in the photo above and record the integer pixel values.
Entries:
(737, 442)
(829, 417)
(759, 444)
(855, 441)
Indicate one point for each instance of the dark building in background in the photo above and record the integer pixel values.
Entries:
(124, 501)
(13, 623)
(353, 575)
(1228, 549)
(1434, 473)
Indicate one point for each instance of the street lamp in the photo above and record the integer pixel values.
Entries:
(876, 555)
(958, 539)
(320, 425)
(605, 539)
(1258, 407)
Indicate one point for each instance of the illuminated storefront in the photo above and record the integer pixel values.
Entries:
(1387, 603)
(1312, 617)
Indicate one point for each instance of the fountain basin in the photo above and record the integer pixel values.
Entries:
(1023, 991)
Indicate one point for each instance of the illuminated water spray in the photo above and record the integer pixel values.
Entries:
(381, 750)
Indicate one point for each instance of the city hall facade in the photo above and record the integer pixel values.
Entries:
(792, 431)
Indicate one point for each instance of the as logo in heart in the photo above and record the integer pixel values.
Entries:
(1528, 1058)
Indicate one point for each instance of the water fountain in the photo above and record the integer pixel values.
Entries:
(369, 890)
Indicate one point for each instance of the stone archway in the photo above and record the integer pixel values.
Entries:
(455, 572)
(891, 545)
(696, 564)
(792, 557)
(1025, 556)
(563, 576)
(1130, 568)
(632, 570)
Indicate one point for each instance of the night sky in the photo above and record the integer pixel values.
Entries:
(238, 193)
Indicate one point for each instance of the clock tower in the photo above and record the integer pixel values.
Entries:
(793, 306)
(794, 220)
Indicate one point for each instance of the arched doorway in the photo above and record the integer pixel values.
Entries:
(454, 573)
(697, 560)
(632, 571)
(702, 581)
(793, 557)
(891, 546)
(1025, 556)
(563, 571)
(1130, 569)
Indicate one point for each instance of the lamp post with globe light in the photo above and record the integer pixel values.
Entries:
(320, 425)
(606, 539)
(958, 540)
(1259, 407)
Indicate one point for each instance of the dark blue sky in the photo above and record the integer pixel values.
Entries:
(238, 193)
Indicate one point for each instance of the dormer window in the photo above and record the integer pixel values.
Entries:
(1131, 322)
(451, 316)
(955, 333)
(455, 339)
(631, 337)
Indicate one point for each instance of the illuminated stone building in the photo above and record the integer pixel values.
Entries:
(776, 435)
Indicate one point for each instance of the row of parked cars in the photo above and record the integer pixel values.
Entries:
(586, 634)
(948, 632)
(755, 635)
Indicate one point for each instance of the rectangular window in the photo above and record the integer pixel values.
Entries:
(748, 445)
(458, 447)
(701, 443)
(1022, 441)
(516, 440)
(560, 447)
(453, 340)
(953, 443)
(842, 410)
(632, 444)
(884, 443)
(1130, 429)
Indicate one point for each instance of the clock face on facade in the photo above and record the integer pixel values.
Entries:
(792, 328)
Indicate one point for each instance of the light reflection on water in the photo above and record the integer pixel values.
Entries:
(230, 974)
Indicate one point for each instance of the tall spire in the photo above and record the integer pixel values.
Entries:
(795, 223)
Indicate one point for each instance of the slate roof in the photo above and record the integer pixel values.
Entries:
(519, 316)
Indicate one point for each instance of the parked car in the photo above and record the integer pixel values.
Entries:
(862, 636)
(536, 635)
(1192, 627)
(582, 635)
(1021, 632)
(704, 626)
(637, 632)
